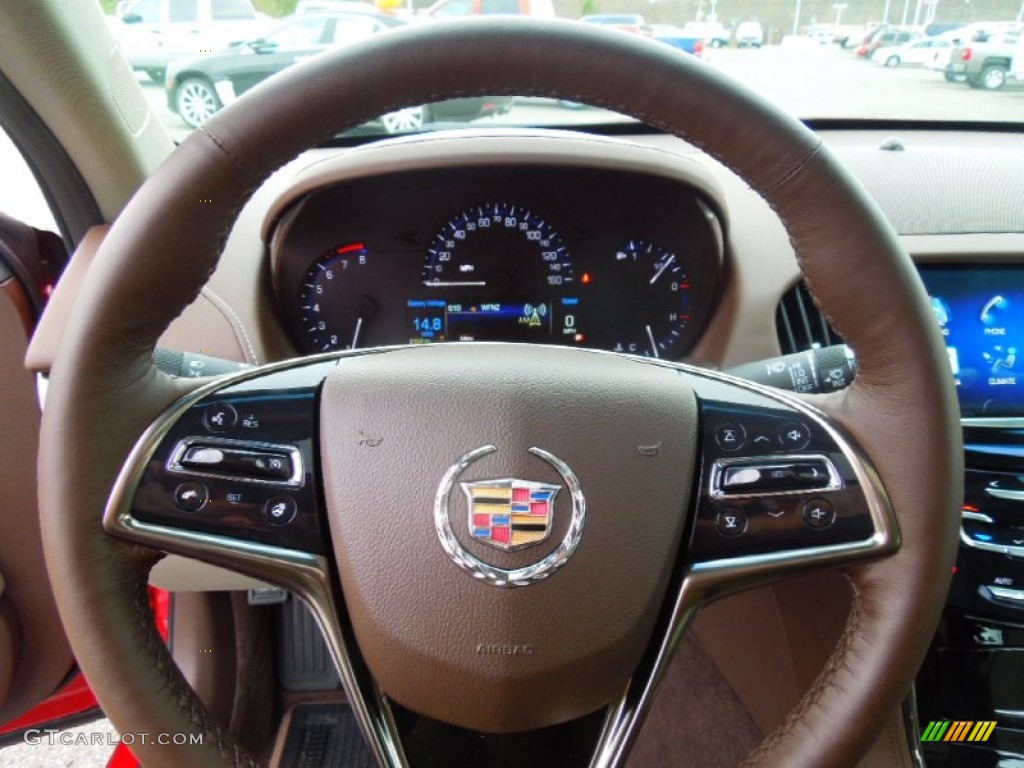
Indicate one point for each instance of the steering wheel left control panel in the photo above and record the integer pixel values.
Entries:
(240, 462)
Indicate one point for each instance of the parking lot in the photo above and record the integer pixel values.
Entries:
(807, 80)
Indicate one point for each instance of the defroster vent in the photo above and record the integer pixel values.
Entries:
(800, 324)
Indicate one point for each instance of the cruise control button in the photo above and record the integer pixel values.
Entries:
(818, 514)
(730, 437)
(280, 510)
(190, 496)
(239, 462)
(731, 523)
(220, 417)
(794, 435)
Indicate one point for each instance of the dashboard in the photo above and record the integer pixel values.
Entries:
(566, 255)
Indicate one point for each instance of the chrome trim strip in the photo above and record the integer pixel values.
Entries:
(978, 517)
(708, 581)
(912, 728)
(995, 422)
(42, 384)
(1015, 714)
(1002, 493)
(1003, 593)
(835, 482)
(308, 576)
(297, 479)
(492, 574)
(1000, 549)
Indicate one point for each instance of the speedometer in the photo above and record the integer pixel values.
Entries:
(498, 249)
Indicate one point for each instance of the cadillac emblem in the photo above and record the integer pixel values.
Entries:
(510, 514)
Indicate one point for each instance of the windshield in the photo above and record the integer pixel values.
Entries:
(882, 60)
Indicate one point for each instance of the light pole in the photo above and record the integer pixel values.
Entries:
(885, 13)
(796, 18)
(839, 8)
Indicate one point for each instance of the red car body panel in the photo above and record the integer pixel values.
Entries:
(76, 697)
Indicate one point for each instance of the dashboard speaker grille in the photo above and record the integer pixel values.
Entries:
(799, 323)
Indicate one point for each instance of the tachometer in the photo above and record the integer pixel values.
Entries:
(497, 249)
(327, 323)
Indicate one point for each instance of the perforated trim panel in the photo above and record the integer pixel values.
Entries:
(913, 187)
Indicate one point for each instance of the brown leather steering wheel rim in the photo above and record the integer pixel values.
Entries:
(901, 408)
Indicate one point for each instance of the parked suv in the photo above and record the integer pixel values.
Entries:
(153, 33)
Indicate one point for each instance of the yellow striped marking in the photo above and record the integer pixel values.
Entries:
(982, 730)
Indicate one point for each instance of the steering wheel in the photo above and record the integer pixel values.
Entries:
(362, 486)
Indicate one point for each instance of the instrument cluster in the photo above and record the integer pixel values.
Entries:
(562, 255)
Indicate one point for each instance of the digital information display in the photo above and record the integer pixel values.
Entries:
(431, 320)
(981, 314)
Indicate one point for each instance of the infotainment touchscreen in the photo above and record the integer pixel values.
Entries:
(981, 313)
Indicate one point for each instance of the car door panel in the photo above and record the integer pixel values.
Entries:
(34, 653)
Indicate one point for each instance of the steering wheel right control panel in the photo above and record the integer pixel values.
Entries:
(774, 479)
